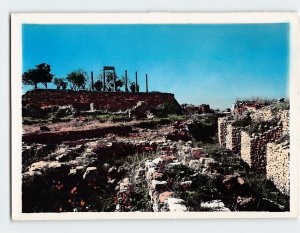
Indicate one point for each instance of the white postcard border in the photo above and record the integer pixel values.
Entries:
(17, 19)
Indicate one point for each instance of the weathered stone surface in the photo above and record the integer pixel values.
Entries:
(111, 101)
(278, 165)
(197, 153)
(252, 148)
(194, 164)
(44, 166)
(168, 158)
(158, 185)
(176, 205)
(124, 185)
(157, 175)
(215, 205)
(61, 136)
(207, 161)
(185, 184)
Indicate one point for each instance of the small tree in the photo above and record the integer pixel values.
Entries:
(98, 85)
(41, 74)
(119, 84)
(64, 85)
(60, 83)
(132, 87)
(77, 79)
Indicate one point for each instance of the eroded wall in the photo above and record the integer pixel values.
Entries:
(111, 101)
(253, 148)
(277, 166)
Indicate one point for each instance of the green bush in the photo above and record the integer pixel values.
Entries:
(166, 109)
(204, 128)
(260, 127)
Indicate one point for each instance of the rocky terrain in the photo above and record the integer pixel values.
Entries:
(111, 163)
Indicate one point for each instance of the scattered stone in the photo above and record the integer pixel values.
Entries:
(124, 185)
(158, 185)
(157, 175)
(185, 184)
(175, 164)
(164, 196)
(157, 161)
(194, 164)
(215, 205)
(44, 166)
(176, 205)
(168, 158)
(197, 153)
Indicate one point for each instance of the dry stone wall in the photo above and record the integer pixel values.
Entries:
(229, 136)
(246, 147)
(263, 114)
(284, 117)
(233, 139)
(253, 148)
(222, 130)
(278, 165)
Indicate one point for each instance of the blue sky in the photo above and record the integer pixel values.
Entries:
(214, 64)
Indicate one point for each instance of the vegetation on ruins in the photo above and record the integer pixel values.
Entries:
(35, 115)
(166, 109)
(77, 79)
(242, 121)
(108, 117)
(204, 127)
(40, 74)
(280, 106)
(261, 126)
(256, 184)
(178, 147)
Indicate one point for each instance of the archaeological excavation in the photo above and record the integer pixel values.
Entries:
(122, 151)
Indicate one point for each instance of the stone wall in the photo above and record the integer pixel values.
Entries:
(284, 117)
(229, 136)
(263, 114)
(246, 147)
(253, 149)
(278, 165)
(222, 131)
(111, 101)
(233, 139)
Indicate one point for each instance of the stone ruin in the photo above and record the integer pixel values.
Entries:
(263, 151)
(108, 101)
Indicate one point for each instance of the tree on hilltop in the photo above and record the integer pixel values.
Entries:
(98, 85)
(41, 74)
(60, 83)
(133, 87)
(77, 79)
